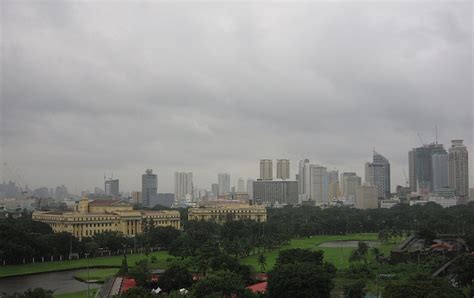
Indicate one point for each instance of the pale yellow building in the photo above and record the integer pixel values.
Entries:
(366, 197)
(93, 217)
(224, 213)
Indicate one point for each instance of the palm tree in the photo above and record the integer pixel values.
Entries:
(262, 261)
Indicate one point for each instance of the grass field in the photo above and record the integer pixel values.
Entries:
(337, 256)
(81, 294)
(11, 270)
(99, 275)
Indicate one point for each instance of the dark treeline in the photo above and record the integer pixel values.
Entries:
(23, 238)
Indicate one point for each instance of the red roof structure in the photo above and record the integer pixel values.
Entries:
(261, 287)
(127, 283)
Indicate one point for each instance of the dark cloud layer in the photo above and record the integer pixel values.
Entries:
(97, 86)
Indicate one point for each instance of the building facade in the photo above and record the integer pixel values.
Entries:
(266, 169)
(93, 217)
(137, 197)
(377, 173)
(316, 184)
(350, 181)
(280, 192)
(366, 197)
(420, 167)
(223, 181)
(458, 168)
(225, 213)
(183, 187)
(112, 187)
(283, 169)
(439, 165)
(149, 187)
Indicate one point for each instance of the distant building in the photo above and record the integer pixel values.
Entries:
(302, 176)
(275, 191)
(91, 218)
(366, 197)
(458, 169)
(137, 197)
(215, 189)
(446, 192)
(349, 183)
(62, 192)
(250, 188)
(443, 201)
(111, 187)
(316, 184)
(183, 187)
(42, 192)
(266, 169)
(283, 169)
(440, 170)
(225, 213)
(223, 181)
(149, 187)
(420, 166)
(240, 185)
(377, 173)
(98, 191)
(163, 199)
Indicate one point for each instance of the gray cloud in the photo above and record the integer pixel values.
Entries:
(94, 87)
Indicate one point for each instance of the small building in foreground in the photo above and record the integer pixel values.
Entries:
(93, 217)
(224, 213)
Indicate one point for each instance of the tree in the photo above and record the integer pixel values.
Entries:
(422, 286)
(220, 284)
(141, 273)
(360, 253)
(355, 289)
(124, 268)
(301, 280)
(35, 293)
(464, 270)
(176, 277)
(262, 261)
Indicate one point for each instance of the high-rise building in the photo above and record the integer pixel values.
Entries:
(183, 187)
(350, 181)
(275, 192)
(250, 188)
(333, 185)
(215, 189)
(458, 168)
(316, 183)
(366, 197)
(223, 180)
(440, 170)
(266, 169)
(112, 187)
(149, 187)
(240, 185)
(377, 173)
(137, 197)
(420, 166)
(283, 169)
(301, 176)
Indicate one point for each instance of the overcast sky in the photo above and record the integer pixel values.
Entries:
(118, 87)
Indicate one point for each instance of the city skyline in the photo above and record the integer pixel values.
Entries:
(121, 91)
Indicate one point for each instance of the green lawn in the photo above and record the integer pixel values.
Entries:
(81, 294)
(99, 275)
(113, 261)
(338, 256)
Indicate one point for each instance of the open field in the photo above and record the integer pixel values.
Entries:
(113, 261)
(81, 294)
(99, 275)
(339, 256)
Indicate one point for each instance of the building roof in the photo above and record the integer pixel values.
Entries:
(105, 202)
(258, 288)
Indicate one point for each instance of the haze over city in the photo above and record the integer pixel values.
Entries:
(91, 87)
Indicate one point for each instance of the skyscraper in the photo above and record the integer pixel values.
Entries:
(458, 168)
(240, 185)
(223, 180)
(266, 169)
(377, 173)
(316, 183)
(440, 170)
(112, 187)
(283, 169)
(183, 187)
(250, 188)
(333, 184)
(350, 181)
(366, 197)
(420, 166)
(301, 176)
(215, 189)
(149, 187)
